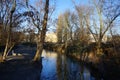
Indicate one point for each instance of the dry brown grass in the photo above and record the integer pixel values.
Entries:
(1, 58)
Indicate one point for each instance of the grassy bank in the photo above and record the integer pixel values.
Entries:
(21, 67)
(107, 64)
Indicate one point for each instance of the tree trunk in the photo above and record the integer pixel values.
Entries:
(42, 34)
(39, 51)
(6, 49)
(113, 42)
(9, 30)
(99, 47)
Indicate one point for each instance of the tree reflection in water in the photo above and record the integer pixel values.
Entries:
(70, 70)
(57, 66)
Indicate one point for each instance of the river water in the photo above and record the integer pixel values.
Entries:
(56, 66)
(60, 67)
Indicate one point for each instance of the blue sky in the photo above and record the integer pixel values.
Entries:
(62, 5)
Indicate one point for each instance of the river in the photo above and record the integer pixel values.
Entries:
(59, 67)
(55, 66)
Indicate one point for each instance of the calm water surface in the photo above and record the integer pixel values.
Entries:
(55, 67)
(60, 67)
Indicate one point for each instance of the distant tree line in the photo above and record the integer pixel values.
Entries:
(99, 18)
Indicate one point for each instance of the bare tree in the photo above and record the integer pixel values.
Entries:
(65, 27)
(8, 23)
(84, 13)
(43, 33)
(107, 11)
(59, 30)
(39, 19)
(10, 18)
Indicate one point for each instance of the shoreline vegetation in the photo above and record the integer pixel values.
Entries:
(107, 65)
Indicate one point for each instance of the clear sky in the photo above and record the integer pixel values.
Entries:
(62, 5)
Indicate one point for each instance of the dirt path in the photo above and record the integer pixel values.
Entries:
(23, 56)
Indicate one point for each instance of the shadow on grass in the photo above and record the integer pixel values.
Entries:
(21, 69)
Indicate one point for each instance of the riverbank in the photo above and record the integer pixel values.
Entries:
(55, 66)
(21, 69)
(108, 64)
(21, 66)
(109, 68)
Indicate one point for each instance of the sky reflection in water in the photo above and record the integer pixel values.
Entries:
(57, 67)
